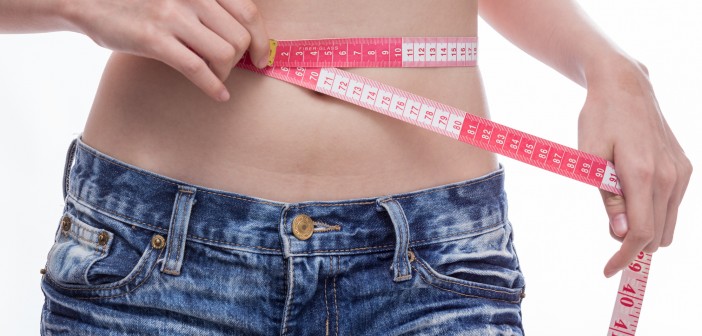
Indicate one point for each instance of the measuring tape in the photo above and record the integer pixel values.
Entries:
(312, 64)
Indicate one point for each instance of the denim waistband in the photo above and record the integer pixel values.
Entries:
(230, 220)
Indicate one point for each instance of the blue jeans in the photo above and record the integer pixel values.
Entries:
(137, 253)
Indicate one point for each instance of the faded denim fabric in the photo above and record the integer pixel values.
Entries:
(137, 253)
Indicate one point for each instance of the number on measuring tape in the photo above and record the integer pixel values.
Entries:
(448, 121)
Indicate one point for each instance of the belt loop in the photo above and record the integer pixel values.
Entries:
(178, 230)
(67, 166)
(400, 262)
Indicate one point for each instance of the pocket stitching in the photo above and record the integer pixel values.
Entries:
(462, 294)
(120, 294)
(438, 276)
(122, 283)
(435, 277)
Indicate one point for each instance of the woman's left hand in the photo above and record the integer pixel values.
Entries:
(622, 122)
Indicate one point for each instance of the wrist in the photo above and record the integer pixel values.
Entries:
(616, 69)
(68, 13)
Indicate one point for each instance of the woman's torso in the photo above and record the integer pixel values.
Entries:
(315, 147)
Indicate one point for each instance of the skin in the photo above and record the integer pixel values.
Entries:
(170, 102)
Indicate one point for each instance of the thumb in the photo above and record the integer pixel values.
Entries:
(615, 206)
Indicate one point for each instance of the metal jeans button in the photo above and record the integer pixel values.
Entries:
(66, 223)
(303, 227)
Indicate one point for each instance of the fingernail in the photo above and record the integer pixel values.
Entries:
(609, 273)
(620, 225)
(223, 96)
(263, 62)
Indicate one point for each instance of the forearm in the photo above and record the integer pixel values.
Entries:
(34, 16)
(558, 33)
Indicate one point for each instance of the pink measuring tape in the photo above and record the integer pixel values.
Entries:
(312, 64)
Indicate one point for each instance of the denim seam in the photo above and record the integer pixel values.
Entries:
(94, 244)
(291, 281)
(336, 304)
(73, 232)
(405, 231)
(172, 237)
(184, 217)
(413, 194)
(126, 282)
(133, 289)
(180, 242)
(261, 247)
(433, 190)
(464, 285)
(160, 229)
(462, 294)
(411, 242)
(326, 301)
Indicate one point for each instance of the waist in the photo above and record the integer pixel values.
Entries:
(278, 141)
(142, 198)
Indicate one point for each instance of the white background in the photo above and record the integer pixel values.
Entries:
(47, 83)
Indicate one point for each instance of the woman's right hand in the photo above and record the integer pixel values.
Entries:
(202, 39)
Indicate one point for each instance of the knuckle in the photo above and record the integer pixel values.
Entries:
(613, 201)
(687, 167)
(643, 172)
(192, 67)
(651, 248)
(164, 11)
(242, 41)
(226, 54)
(248, 13)
(642, 235)
(667, 176)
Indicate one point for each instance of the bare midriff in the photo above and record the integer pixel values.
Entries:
(275, 141)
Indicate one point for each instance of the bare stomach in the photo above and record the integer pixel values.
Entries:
(279, 142)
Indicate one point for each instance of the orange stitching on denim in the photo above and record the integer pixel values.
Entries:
(466, 295)
(460, 284)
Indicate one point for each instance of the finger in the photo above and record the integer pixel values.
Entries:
(615, 206)
(179, 57)
(684, 172)
(636, 183)
(247, 14)
(224, 25)
(218, 53)
(665, 183)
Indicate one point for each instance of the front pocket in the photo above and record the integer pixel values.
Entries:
(95, 255)
(482, 266)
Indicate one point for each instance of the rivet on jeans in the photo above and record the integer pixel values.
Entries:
(102, 238)
(66, 223)
(158, 242)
